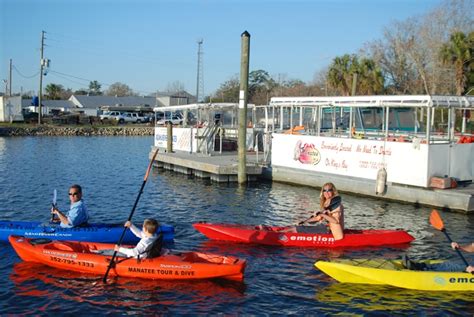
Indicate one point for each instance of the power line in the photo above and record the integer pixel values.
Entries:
(63, 75)
(24, 76)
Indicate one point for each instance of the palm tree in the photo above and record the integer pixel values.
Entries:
(369, 76)
(458, 53)
(340, 73)
(54, 91)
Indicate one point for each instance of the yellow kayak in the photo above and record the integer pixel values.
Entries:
(391, 272)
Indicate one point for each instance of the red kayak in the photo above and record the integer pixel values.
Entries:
(288, 236)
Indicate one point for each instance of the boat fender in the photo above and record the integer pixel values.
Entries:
(380, 184)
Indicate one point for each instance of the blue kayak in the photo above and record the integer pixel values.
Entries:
(98, 232)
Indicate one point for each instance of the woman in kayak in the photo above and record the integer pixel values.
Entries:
(77, 214)
(330, 212)
(447, 266)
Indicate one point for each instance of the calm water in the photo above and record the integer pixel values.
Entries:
(278, 281)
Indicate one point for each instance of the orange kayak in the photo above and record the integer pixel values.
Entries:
(80, 257)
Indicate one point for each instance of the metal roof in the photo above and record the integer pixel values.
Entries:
(461, 102)
(201, 106)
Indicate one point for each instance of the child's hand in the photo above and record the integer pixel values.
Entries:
(470, 269)
(127, 224)
(117, 248)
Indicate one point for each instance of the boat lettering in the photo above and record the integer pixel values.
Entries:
(148, 271)
(46, 234)
(187, 273)
(71, 262)
(315, 238)
(461, 280)
(171, 266)
(60, 254)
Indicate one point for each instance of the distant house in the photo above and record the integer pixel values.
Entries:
(48, 106)
(174, 99)
(95, 105)
(101, 103)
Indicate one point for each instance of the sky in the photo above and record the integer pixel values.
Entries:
(151, 44)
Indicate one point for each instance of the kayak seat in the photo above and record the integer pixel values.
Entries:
(40, 241)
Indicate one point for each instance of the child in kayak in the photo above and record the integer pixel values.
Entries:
(332, 213)
(447, 266)
(147, 238)
(149, 245)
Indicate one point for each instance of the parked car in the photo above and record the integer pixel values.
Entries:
(134, 117)
(30, 117)
(176, 118)
(113, 115)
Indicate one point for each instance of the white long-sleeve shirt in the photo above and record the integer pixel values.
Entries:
(142, 245)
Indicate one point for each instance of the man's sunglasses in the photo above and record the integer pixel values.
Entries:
(73, 194)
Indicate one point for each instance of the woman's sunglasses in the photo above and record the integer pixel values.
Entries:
(328, 190)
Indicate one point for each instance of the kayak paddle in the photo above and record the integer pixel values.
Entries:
(335, 202)
(437, 223)
(53, 204)
(131, 214)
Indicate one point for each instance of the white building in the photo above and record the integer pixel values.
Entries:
(10, 109)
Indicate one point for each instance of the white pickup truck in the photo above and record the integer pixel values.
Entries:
(134, 117)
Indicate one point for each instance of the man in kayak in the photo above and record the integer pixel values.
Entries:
(332, 213)
(447, 266)
(77, 214)
(147, 237)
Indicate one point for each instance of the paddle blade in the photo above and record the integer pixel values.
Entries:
(150, 164)
(436, 221)
(55, 196)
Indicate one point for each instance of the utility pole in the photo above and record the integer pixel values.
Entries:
(243, 95)
(40, 92)
(10, 80)
(200, 77)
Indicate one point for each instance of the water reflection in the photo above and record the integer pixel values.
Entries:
(391, 300)
(144, 296)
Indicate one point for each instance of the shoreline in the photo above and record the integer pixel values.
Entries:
(46, 130)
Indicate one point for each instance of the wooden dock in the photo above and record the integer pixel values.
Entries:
(222, 168)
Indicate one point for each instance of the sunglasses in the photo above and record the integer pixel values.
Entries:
(73, 194)
(330, 190)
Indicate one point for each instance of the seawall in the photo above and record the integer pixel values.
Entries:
(76, 131)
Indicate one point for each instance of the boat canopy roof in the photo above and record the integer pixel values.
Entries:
(202, 106)
(436, 101)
